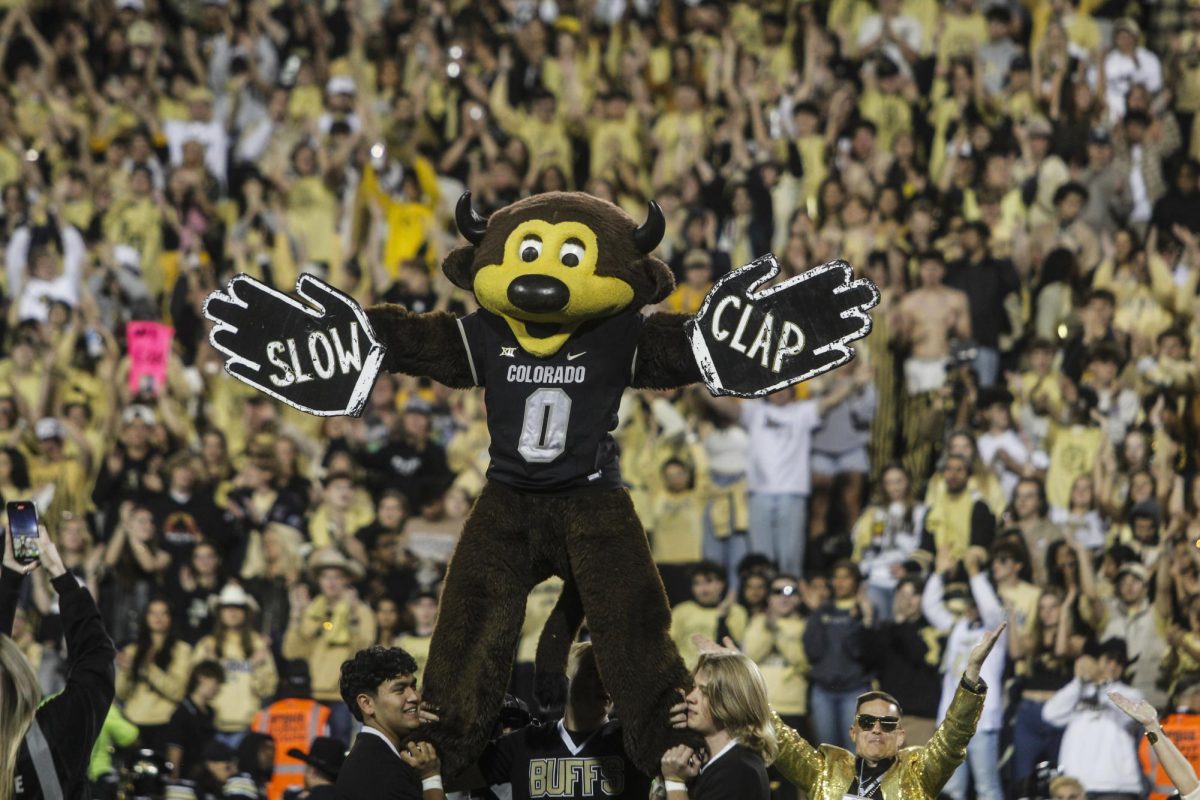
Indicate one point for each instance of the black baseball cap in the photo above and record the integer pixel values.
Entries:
(326, 755)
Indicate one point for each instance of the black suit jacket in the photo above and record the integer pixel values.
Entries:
(737, 775)
(373, 772)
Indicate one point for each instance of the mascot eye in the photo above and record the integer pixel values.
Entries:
(571, 254)
(531, 248)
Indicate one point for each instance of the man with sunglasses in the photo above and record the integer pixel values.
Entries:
(879, 769)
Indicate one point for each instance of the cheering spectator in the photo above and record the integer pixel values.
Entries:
(835, 640)
(966, 634)
(1098, 742)
(887, 536)
(327, 629)
(152, 675)
(243, 654)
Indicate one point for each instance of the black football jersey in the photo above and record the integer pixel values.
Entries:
(546, 761)
(551, 418)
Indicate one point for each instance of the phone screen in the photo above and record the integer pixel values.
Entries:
(23, 524)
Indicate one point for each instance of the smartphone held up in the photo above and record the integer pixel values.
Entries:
(23, 528)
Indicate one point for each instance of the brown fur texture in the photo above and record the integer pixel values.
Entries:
(513, 540)
(665, 359)
(429, 345)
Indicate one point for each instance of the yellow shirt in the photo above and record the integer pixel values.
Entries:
(10, 165)
(138, 224)
(71, 490)
(538, 606)
(689, 617)
(1187, 88)
(1023, 597)
(410, 224)
(248, 683)
(950, 522)
(677, 527)
(548, 142)
(891, 113)
(612, 140)
(962, 35)
(686, 299)
(417, 647)
(312, 214)
(151, 698)
(779, 652)
(1073, 453)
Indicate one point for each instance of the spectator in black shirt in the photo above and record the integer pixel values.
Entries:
(71, 719)
(185, 512)
(1097, 328)
(194, 592)
(987, 282)
(127, 465)
(192, 725)
(728, 707)
(411, 461)
(260, 500)
(906, 651)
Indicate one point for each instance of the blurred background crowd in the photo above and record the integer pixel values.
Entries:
(1017, 440)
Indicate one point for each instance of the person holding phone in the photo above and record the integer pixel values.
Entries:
(29, 766)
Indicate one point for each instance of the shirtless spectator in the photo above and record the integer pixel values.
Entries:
(926, 320)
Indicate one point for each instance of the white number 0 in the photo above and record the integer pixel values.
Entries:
(544, 429)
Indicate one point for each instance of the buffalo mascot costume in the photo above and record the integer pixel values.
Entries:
(561, 280)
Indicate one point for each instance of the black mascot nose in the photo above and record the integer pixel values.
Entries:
(538, 294)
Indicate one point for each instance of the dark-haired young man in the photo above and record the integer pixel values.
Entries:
(379, 686)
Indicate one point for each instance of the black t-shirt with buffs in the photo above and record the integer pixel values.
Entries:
(550, 761)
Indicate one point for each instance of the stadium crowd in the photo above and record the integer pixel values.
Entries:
(1017, 440)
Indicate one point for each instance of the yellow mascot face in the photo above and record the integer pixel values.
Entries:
(546, 286)
(551, 263)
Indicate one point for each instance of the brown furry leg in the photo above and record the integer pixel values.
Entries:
(558, 634)
(479, 622)
(628, 618)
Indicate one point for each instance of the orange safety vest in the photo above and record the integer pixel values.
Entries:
(1184, 729)
(293, 723)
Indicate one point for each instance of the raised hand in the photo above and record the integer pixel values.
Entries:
(980, 652)
(1139, 710)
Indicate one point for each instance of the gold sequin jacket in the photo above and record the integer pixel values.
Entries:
(918, 774)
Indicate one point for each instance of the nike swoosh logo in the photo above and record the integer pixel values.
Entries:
(573, 356)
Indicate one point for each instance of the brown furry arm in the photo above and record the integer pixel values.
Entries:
(427, 345)
(664, 357)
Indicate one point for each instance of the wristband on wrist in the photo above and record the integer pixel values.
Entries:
(434, 782)
(977, 686)
(672, 785)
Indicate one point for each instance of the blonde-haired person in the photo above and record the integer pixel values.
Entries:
(728, 707)
(71, 719)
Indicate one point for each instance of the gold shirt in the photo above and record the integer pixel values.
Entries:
(918, 774)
